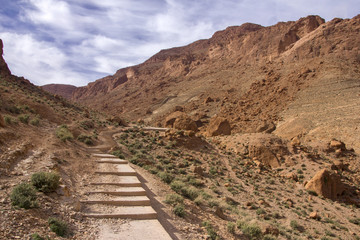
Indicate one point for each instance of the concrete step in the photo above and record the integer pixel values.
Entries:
(109, 167)
(117, 200)
(120, 191)
(117, 184)
(102, 155)
(115, 180)
(118, 173)
(109, 160)
(131, 212)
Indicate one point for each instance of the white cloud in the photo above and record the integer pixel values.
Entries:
(77, 41)
(40, 62)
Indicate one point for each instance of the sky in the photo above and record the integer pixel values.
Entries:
(78, 41)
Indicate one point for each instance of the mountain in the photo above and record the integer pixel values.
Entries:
(300, 75)
(63, 90)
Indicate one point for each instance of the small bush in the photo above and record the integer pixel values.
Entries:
(269, 237)
(294, 225)
(36, 236)
(8, 120)
(118, 153)
(85, 139)
(210, 230)
(230, 227)
(179, 210)
(24, 196)
(45, 182)
(63, 133)
(166, 177)
(252, 231)
(174, 199)
(35, 121)
(24, 118)
(58, 227)
(313, 193)
(355, 221)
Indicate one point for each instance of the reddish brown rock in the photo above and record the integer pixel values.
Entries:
(314, 215)
(218, 126)
(327, 184)
(265, 155)
(169, 120)
(184, 122)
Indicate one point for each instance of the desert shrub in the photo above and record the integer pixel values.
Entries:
(269, 237)
(85, 139)
(184, 189)
(87, 124)
(118, 153)
(63, 133)
(45, 182)
(24, 196)
(313, 193)
(8, 119)
(24, 118)
(174, 199)
(294, 225)
(36, 236)
(35, 121)
(252, 231)
(355, 221)
(230, 227)
(210, 230)
(179, 210)
(59, 227)
(166, 177)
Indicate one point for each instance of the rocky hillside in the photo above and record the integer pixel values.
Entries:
(63, 90)
(300, 76)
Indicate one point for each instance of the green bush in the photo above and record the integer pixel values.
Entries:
(59, 227)
(36, 236)
(210, 230)
(24, 118)
(184, 189)
(269, 237)
(24, 196)
(294, 225)
(252, 231)
(85, 139)
(174, 199)
(45, 182)
(230, 227)
(179, 210)
(355, 221)
(63, 133)
(35, 121)
(8, 119)
(166, 177)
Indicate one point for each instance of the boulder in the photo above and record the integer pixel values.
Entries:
(327, 184)
(184, 122)
(266, 127)
(218, 126)
(169, 120)
(265, 155)
(314, 215)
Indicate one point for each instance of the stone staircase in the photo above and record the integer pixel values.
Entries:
(116, 192)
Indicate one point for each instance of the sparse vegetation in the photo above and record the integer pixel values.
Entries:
(179, 210)
(250, 230)
(24, 118)
(59, 227)
(63, 133)
(45, 181)
(24, 196)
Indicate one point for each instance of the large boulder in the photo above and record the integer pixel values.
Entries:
(218, 126)
(181, 121)
(169, 120)
(185, 123)
(264, 155)
(327, 184)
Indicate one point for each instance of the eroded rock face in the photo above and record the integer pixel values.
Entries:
(218, 126)
(2, 123)
(3, 66)
(169, 120)
(327, 184)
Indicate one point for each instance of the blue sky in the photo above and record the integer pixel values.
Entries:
(79, 41)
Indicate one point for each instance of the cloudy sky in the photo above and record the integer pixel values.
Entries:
(78, 41)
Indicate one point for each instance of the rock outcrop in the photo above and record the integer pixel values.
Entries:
(218, 126)
(4, 70)
(326, 183)
(181, 121)
(63, 90)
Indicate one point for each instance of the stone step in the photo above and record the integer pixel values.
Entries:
(115, 180)
(108, 167)
(131, 212)
(109, 160)
(117, 184)
(120, 191)
(117, 200)
(118, 173)
(102, 155)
